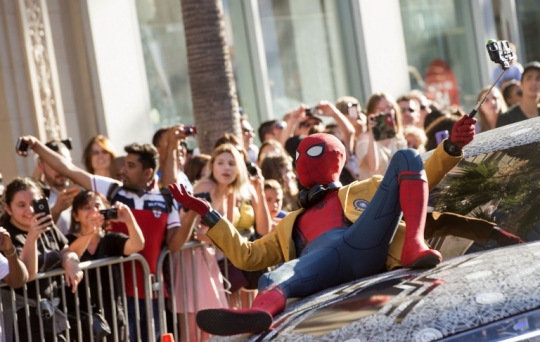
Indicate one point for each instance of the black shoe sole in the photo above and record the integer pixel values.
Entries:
(225, 322)
(428, 261)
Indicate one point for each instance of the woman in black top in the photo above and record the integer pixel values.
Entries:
(90, 241)
(41, 247)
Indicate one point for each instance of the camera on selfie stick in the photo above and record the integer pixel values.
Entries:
(500, 53)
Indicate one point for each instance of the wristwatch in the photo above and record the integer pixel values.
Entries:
(211, 218)
(451, 148)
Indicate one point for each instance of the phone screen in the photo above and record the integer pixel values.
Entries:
(384, 127)
(440, 136)
(353, 112)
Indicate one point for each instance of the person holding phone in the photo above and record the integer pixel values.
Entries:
(41, 247)
(91, 241)
(383, 138)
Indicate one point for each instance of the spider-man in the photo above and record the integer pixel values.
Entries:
(341, 234)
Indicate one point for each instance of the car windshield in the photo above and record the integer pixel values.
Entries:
(500, 187)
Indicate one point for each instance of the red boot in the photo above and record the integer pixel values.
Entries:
(259, 317)
(413, 196)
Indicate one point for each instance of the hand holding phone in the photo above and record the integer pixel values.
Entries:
(41, 206)
(22, 147)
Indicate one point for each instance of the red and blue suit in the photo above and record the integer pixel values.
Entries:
(319, 246)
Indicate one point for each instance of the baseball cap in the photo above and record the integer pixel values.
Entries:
(530, 66)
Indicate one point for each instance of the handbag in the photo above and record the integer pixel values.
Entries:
(100, 326)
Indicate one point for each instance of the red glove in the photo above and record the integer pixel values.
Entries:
(463, 131)
(505, 238)
(189, 201)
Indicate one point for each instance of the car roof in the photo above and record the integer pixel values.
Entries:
(417, 305)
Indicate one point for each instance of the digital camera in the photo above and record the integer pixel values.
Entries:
(384, 126)
(500, 52)
(109, 214)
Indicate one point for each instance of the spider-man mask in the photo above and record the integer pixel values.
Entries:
(319, 159)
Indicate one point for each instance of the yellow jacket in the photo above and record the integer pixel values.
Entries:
(277, 246)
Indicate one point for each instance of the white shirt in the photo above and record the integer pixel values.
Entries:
(4, 267)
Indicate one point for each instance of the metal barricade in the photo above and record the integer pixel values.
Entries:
(171, 267)
(33, 313)
(27, 314)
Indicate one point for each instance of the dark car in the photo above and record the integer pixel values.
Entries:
(488, 296)
(479, 293)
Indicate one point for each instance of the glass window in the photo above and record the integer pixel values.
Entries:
(528, 12)
(165, 57)
(304, 52)
(441, 50)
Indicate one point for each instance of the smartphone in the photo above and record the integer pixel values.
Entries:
(441, 135)
(190, 130)
(384, 126)
(251, 168)
(352, 110)
(41, 206)
(21, 146)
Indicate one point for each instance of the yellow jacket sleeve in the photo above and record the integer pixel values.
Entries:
(438, 165)
(273, 248)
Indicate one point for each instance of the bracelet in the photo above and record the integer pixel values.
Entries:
(11, 254)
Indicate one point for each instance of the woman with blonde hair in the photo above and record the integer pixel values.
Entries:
(98, 155)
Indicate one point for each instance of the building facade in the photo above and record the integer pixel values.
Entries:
(81, 67)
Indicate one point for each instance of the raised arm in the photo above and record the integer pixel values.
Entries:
(263, 219)
(135, 242)
(58, 162)
(29, 255)
(346, 128)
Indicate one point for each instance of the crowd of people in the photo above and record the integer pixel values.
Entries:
(119, 204)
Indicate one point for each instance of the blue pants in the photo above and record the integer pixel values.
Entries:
(345, 254)
(142, 320)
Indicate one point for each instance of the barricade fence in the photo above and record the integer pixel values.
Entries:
(45, 309)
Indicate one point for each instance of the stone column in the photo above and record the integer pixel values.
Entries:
(42, 73)
(29, 90)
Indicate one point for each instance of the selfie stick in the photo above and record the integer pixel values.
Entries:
(475, 110)
(493, 47)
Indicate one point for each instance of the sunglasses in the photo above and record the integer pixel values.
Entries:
(247, 131)
(408, 109)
